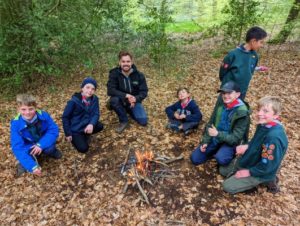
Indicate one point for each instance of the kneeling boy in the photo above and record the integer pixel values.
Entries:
(228, 127)
(33, 132)
(261, 158)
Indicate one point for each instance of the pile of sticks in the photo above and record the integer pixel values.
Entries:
(155, 169)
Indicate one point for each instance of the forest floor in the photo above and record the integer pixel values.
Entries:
(87, 189)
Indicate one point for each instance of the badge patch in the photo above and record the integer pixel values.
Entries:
(272, 147)
(270, 152)
(225, 66)
(264, 161)
(271, 157)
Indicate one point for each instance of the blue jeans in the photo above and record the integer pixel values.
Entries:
(121, 108)
(223, 153)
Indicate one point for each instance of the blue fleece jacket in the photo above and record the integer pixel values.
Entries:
(22, 140)
(192, 111)
(77, 116)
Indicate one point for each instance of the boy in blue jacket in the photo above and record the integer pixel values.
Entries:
(81, 116)
(33, 132)
(185, 114)
(260, 160)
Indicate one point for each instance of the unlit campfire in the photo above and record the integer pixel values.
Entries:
(141, 168)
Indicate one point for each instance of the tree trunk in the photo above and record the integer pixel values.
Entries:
(288, 26)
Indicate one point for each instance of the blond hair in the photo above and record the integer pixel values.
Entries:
(274, 101)
(26, 99)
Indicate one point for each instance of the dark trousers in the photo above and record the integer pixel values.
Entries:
(185, 125)
(81, 140)
(121, 108)
(223, 153)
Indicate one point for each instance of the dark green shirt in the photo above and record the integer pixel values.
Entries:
(238, 66)
(265, 152)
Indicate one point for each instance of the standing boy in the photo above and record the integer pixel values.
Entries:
(127, 89)
(81, 116)
(228, 127)
(33, 132)
(185, 114)
(240, 63)
(261, 158)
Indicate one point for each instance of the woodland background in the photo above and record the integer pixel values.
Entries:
(48, 47)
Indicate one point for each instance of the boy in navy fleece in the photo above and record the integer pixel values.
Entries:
(33, 132)
(81, 115)
(185, 114)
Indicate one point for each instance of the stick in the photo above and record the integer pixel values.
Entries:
(125, 187)
(174, 159)
(141, 190)
(126, 160)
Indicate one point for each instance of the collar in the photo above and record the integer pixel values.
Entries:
(32, 120)
(272, 124)
(183, 105)
(233, 104)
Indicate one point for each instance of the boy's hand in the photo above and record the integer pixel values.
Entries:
(263, 68)
(37, 171)
(69, 138)
(240, 150)
(182, 116)
(89, 129)
(203, 147)
(212, 131)
(176, 115)
(36, 150)
(242, 173)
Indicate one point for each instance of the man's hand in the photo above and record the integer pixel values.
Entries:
(176, 115)
(69, 138)
(240, 150)
(203, 147)
(37, 171)
(212, 131)
(36, 150)
(242, 173)
(131, 100)
(89, 129)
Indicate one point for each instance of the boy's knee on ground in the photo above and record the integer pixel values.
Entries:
(142, 121)
(222, 160)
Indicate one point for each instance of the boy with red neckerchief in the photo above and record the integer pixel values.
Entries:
(261, 158)
(227, 128)
(185, 114)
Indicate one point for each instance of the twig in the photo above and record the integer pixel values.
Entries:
(125, 187)
(126, 160)
(141, 190)
(180, 157)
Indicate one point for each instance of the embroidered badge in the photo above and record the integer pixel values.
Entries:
(271, 157)
(253, 56)
(270, 152)
(135, 82)
(264, 161)
(225, 66)
(272, 147)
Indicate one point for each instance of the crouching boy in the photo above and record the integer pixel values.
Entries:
(184, 115)
(228, 127)
(81, 116)
(261, 158)
(33, 132)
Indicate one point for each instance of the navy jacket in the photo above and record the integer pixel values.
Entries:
(119, 85)
(77, 116)
(192, 111)
(22, 140)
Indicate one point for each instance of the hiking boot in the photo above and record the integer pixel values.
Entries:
(121, 127)
(273, 186)
(57, 154)
(20, 170)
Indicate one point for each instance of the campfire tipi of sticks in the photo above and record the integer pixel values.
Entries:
(142, 167)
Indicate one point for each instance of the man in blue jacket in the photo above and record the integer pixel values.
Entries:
(33, 132)
(127, 89)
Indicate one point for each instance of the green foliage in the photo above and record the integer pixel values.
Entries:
(154, 32)
(239, 16)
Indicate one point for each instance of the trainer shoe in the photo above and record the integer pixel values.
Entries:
(20, 170)
(122, 126)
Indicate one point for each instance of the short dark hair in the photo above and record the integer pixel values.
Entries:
(182, 88)
(255, 33)
(124, 53)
